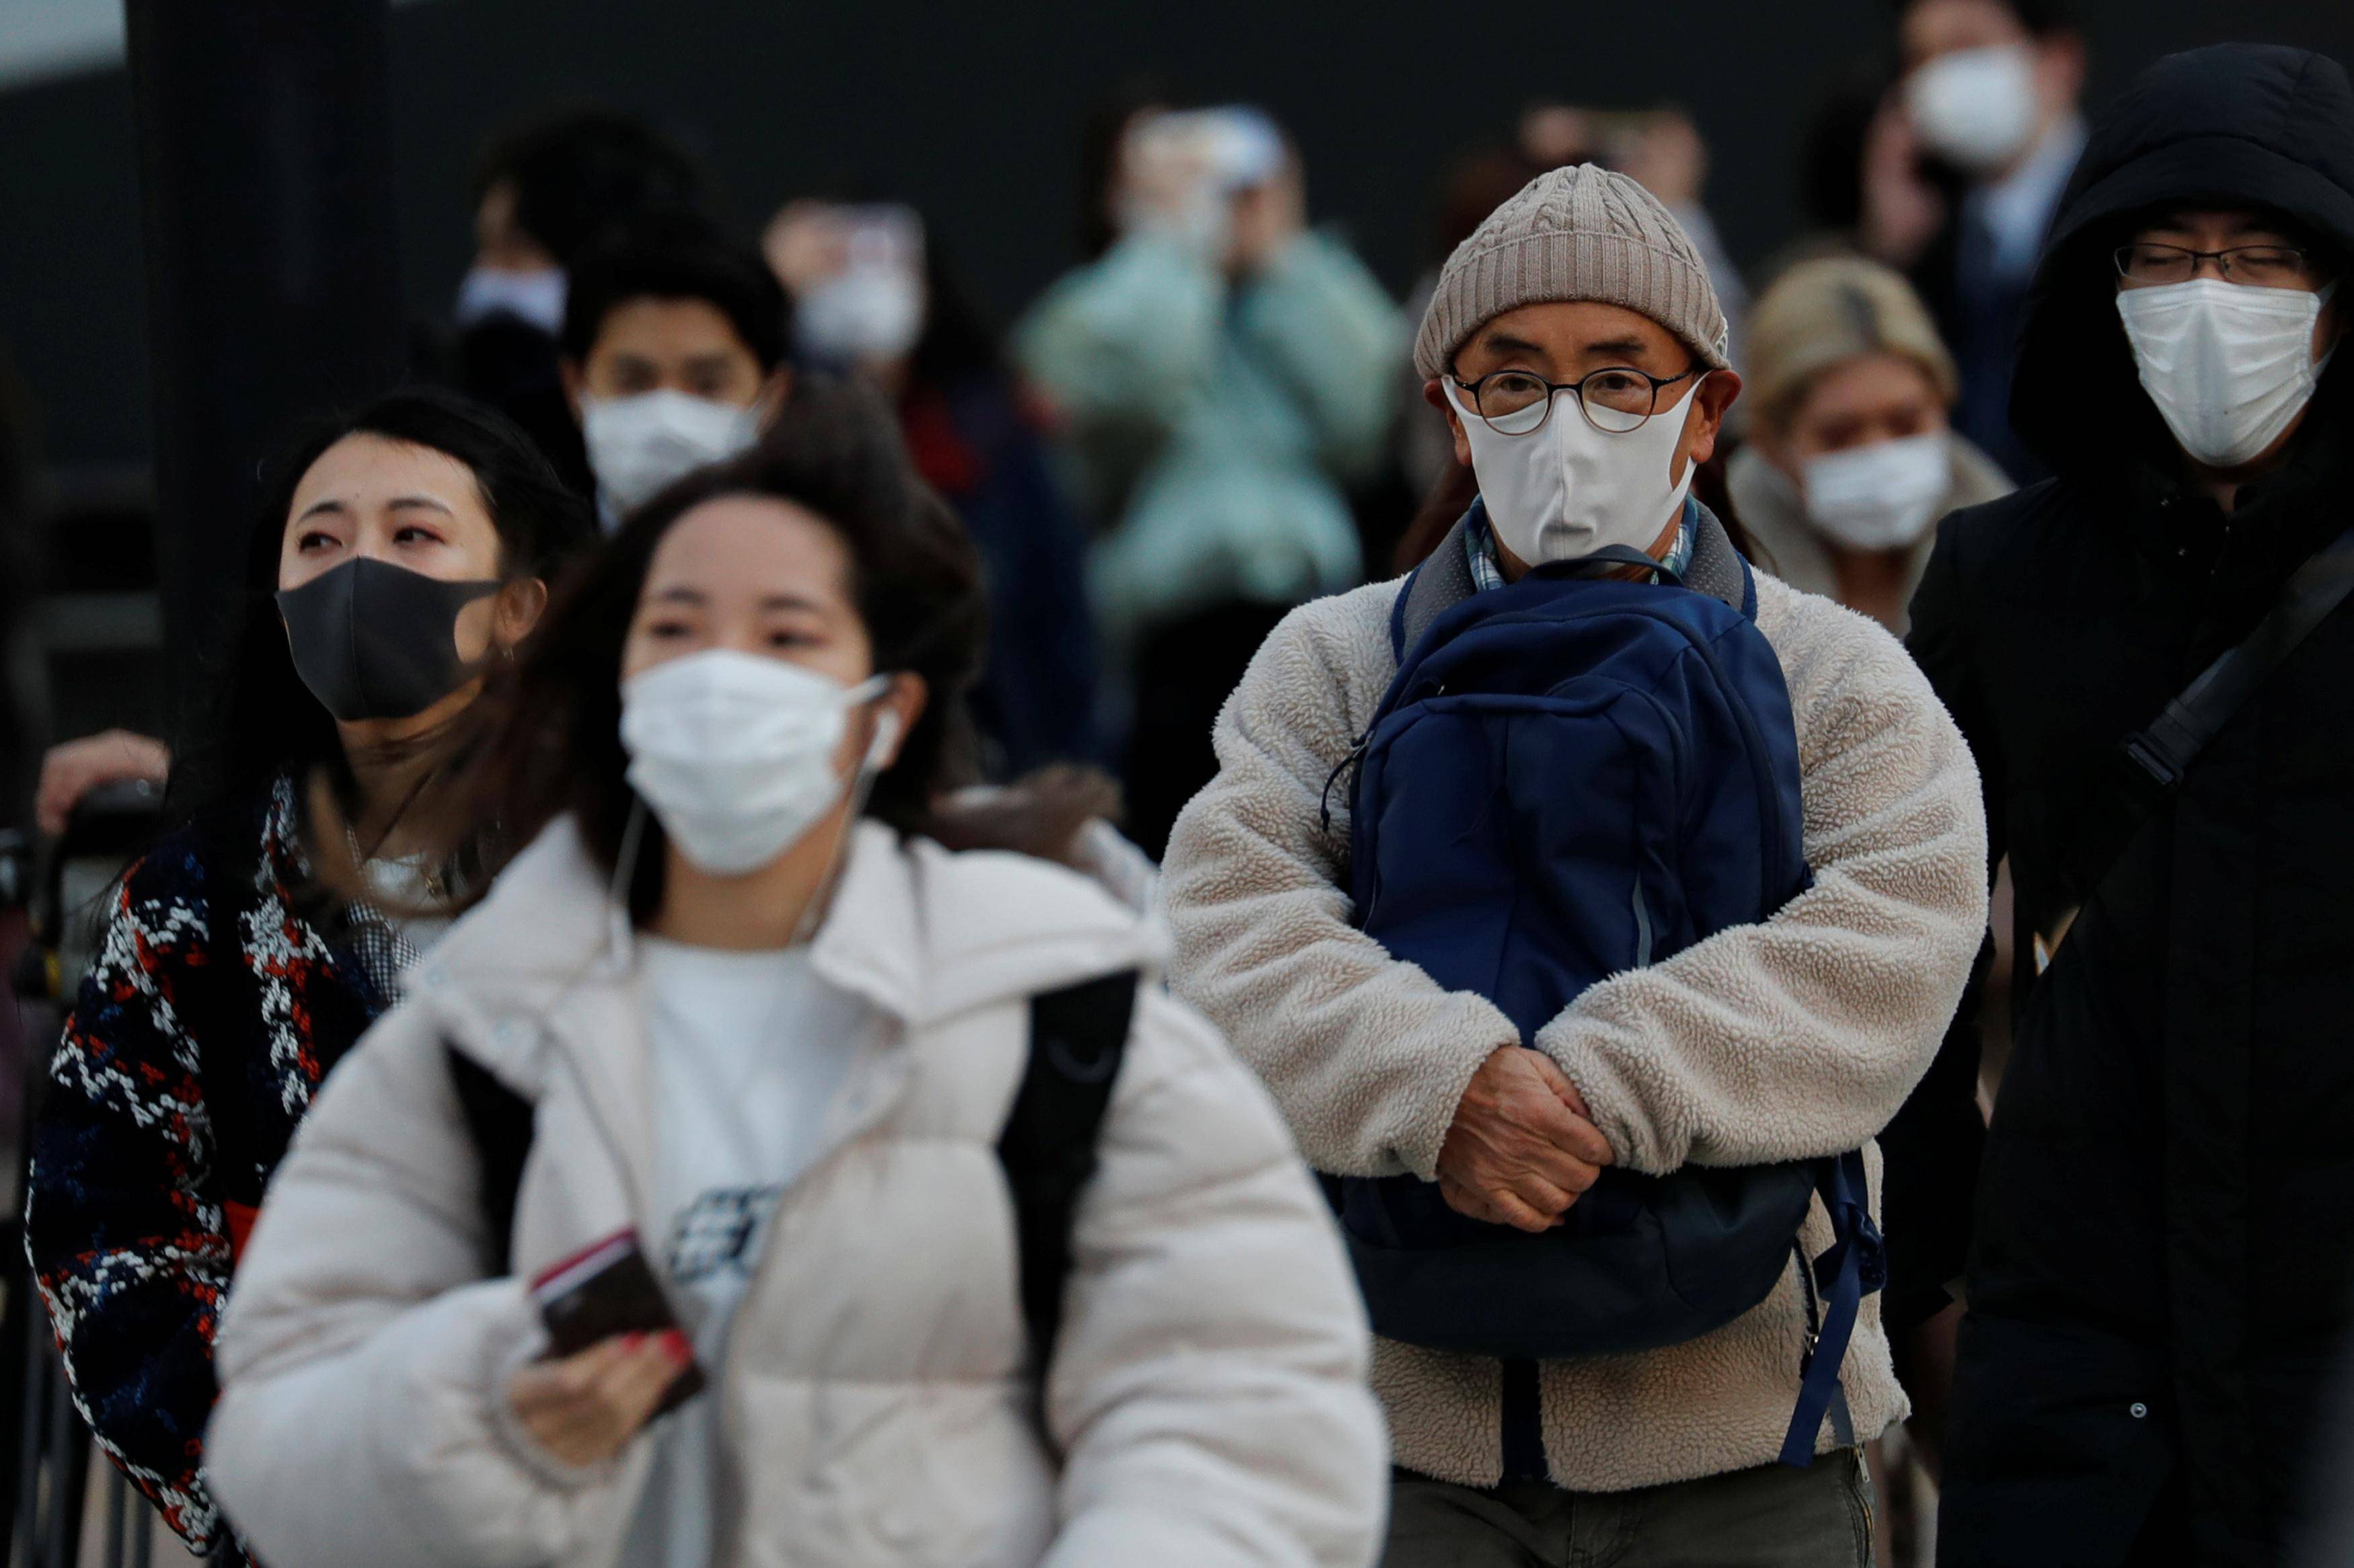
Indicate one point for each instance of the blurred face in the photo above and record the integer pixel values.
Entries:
(676, 345)
(410, 506)
(500, 243)
(1858, 402)
(761, 576)
(1933, 27)
(1565, 342)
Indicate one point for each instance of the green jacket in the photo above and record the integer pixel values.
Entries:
(1211, 422)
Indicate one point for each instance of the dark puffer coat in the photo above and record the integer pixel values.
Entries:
(2166, 1220)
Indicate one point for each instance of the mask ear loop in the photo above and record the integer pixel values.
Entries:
(625, 873)
(861, 789)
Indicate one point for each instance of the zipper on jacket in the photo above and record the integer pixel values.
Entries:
(1356, 755)
(1642, 928)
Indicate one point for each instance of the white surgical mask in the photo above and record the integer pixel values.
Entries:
(734, 753)
(1566, 490)
(1975, 107)
(2227, 365)
(637, 445)
(536, 295)
(1882, 497)
(863, 313)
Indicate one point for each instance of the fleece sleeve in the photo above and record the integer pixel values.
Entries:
(1802, 1035)
(1366, 1055)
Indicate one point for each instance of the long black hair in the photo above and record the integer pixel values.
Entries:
(260, 722)
(555, 747)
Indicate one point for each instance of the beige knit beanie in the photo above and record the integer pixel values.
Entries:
(1581, 233)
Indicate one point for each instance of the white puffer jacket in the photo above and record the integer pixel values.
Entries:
(1207, 1387)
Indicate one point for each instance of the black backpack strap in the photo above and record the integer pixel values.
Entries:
(1437, 586)
(1077, 1038)
(2165, 750)
(500, 1122)
(2154, 761)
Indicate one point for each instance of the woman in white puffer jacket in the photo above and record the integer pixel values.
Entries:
(803, 1128)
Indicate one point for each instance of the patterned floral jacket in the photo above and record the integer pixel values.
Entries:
(133, 1200)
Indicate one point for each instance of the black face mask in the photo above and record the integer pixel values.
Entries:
(374, 641)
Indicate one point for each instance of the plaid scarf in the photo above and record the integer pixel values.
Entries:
(1488, 572)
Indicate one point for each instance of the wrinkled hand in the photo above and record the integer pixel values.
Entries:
(585, 1407)
(1522, 1147)
(74, 768)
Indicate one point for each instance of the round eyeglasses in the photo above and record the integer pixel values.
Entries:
(1518, 402)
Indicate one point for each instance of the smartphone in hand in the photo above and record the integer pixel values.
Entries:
(606, 1289)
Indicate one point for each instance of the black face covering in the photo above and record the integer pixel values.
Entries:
(374, 641)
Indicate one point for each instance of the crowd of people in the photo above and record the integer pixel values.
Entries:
(1245, 924)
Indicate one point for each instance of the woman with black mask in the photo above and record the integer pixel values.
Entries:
(398, 553)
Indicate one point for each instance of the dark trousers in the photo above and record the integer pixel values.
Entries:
(1771, 1517)
(1184, 674)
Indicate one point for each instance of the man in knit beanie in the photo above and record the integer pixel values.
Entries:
(1578, 351)
(1582, 281)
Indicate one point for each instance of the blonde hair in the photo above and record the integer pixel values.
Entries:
(1824, 313)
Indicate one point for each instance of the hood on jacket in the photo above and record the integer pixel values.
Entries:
(917, 931)
(2237, 124)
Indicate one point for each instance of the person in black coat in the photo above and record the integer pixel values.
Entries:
(2164, 1227)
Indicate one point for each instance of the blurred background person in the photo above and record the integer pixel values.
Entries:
(872, 297)
(1217, 376)
(799, 1024)
(1659, 149)
(1849, 464)
(545, 191)
(1850, 457)
(672, 354)
(1990, 94)
(398, 553)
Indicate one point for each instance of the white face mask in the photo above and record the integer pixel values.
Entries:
(2227, 365)
(536, 296)
(863, 313)
(1566, 490)
(1882, 497)
(637, 445)
(734, 753)
(1975, 107)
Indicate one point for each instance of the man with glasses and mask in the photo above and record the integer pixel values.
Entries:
(1576, 348)
(2148, 655)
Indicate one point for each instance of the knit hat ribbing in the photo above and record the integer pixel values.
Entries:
(1581, 233)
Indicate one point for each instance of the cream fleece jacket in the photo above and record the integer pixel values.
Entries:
(1795, 1037)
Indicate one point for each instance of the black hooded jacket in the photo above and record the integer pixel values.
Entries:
(2164, 1227)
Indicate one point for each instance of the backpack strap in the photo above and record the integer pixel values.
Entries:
(1854, 1266)
(501, 1124)
(1716, 569)
(1078, 1037)
(2151, 763)
(1437, 586)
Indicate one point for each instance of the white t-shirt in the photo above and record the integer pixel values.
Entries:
(749, 1051)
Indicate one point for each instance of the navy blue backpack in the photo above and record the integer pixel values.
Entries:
(1571, 777)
